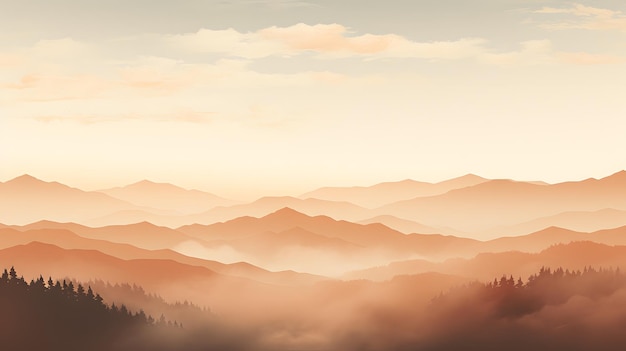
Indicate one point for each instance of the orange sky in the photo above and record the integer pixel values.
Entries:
(278, 97)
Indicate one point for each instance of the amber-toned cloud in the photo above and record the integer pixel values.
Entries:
(586, 17)
(350, 96)
(148, 87)
(325, 40)
(335, 41)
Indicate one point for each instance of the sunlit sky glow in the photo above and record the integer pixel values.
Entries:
(244, 98)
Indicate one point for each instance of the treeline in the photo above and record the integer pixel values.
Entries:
(553, 310)
(66, 315)
(556, 309)
(136, 298)
(59, 315)
(515, 298)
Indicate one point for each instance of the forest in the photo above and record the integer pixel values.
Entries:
(552, 309)
(64, 315)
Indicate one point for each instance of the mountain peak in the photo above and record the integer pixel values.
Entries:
(148, 183)
(470, 176)
(286, 212)
(25, 179)
(144, 182)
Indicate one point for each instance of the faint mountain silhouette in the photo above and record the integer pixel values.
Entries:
(408, 227)
(26, 199)
(267, 205)
(573, 256)
(582, 221)
(504, 202)
(168, 197)
(67, 239)
(389, 192)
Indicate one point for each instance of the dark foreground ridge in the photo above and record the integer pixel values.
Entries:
(552, 310)
(63, 315)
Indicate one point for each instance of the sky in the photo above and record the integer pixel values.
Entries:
(277, 97)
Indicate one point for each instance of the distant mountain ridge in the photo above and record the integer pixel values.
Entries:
(26, 199)
(480, 207)
(384, 193)
(65, 238)
(582, 221)
(469, 206)
(485, 266)
(167, 196)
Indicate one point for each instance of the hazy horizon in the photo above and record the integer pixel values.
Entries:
(281, 96)
(261, 194)
(300, 122)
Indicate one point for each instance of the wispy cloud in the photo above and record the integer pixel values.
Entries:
(585, 17)
(66, 80)
(324, 40)
(179, 116)
(334, 41)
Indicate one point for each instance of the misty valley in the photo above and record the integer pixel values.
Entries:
(465, 264)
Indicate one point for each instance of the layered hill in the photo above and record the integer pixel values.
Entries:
(408, 227)
(267, 205)
(582, 221)
(174, 281)
(505, 203)
(389, 192)
(26, 199)
(144, 235)
(289, 237)
(373, 235)
(227, 296)
(485, 266)
(168, 197)
(67, 239)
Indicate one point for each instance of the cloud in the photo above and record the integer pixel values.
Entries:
(324, 40)
(51, 87)
(9, 60)
(153, 89)
(334, 41)
(187, 116)
(586, 17)
(65, 80)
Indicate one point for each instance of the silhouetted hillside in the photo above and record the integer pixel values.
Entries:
(65, 315)
(58, 315)
(553, 310)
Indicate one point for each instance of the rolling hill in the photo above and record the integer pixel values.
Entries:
(26, 199)
(167, 196)
(582, 221)
(489, 265)
(67, 239)
(504, 202)
(389, 192)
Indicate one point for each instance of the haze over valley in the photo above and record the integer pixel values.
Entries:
(312, 175)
